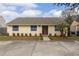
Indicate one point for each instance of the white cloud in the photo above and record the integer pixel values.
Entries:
(2, 7)
(9, 15)
(53, 13)
(8, 11)
(13, 6)
(31, 13)
(58, 13)
(28, 5)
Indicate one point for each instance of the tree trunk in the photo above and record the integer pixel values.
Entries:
(62, 33)
(69, 31)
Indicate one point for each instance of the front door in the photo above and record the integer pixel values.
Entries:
(44, 30)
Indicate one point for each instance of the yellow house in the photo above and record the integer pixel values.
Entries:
(34, 25)
(75, 27)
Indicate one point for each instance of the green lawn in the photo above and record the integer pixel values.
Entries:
(64, 38)
(5, 38)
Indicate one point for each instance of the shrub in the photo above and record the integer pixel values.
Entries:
(41, 38)
(35, 35)
(17, 34)
(55, 35)
(40, 35)
(13, 34)
(62, 35)
(21, 34)
(30, 34)
(26, 34)
(50, 35)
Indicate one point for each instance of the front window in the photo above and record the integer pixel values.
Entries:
(33, 28)
(72, 33)
(15, 28)
(56, 28)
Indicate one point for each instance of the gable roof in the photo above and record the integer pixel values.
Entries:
(36, 21)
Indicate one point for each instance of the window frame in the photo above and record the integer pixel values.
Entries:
(56, 28)
(15, 28)
(33, 27)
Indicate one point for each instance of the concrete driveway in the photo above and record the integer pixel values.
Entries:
(39, 48)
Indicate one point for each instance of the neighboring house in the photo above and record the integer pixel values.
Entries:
(75, 27)
(34, 25)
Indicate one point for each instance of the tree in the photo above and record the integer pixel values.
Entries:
(2, 22)
(61, 28)
(69, 12)
(69, 21)
(70, 6)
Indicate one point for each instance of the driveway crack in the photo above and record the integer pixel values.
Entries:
(68, 50)
(34, 48)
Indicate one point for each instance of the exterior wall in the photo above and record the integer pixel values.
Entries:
(24, 30)
(51, 30)
(27, 30)
(73, 26)
(9, 30)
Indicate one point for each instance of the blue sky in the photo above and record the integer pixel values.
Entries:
(48, 6)
(12, 10)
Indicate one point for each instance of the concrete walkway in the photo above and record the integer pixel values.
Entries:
(45, 38)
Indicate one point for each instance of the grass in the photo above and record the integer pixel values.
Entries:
(6, 38)
(37, 38)
(64, 38)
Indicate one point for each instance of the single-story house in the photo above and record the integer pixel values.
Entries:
(75, 27)
(34, 25)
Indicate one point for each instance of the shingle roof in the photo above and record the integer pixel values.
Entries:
(36, 21)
